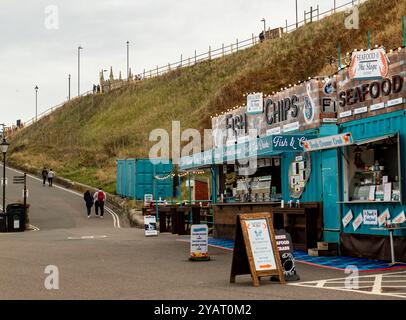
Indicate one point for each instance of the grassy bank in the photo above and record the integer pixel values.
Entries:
(82, 140)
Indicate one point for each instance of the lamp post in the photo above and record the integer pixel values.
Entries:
(128, 60)
(79, 48)
(264, 21)
(36, 103)
(4, 147)
(69, 87)
(297, 23)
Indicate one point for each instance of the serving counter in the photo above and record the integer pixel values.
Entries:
(304, 223)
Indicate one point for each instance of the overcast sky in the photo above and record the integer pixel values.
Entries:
(39, 40)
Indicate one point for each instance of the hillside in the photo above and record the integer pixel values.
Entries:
(82, 140)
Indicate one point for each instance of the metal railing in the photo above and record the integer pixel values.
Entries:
(211, 54)
(52, 109)
(311, 16)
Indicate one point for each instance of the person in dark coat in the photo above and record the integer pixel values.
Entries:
(89, 202)
(44, 175)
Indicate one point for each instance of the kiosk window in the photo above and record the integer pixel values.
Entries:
(372, 171)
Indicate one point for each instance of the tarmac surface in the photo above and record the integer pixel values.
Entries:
(97, 260)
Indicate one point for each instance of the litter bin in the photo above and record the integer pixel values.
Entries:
(15, 217)
(3, 222)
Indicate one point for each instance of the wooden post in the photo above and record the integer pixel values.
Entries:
(237, 44)
(334, 6)
(209, 52)
(304, 16)
(181, 60)
(195, 56)
(157, 73)
(25, 198)
(144, 73)
(222, 49)
(311, 14)
(318, 12)
(169, 67)
(231, 48)
(286, 23)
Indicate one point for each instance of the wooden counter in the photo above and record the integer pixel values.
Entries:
(304, 223)
(225, 215)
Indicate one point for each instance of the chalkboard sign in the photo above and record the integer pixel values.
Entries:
(285, 247)
(255, 249)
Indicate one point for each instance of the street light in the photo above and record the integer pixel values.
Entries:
(36, 103)
(263, 20)
(297, 23)
(79, 48)
(69, 87)
(128, 61)
(4, 147)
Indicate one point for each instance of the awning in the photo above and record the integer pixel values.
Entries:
(374, 139)
(267, 146)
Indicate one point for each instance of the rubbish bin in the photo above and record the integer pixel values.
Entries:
(3, 222)
(15, 217)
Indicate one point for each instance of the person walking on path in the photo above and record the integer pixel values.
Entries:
(99, 198)
(51, 176)
(89, 202)
(44, 176)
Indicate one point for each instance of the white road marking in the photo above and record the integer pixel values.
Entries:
(87, 237)
(379, 284)
(116, 219)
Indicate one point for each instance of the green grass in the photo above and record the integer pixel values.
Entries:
(82, 140)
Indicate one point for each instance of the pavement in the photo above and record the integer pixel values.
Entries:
(95, 259)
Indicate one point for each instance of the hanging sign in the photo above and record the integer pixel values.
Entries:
(383, 217)
(255, 248)
(400, 218)
(199, 242)
(347, 218)
(150, 226)
(370, 216)
(336, 141)
(255, 103)
(369, 64)
(357, 222)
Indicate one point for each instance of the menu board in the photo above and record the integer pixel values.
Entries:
(261, 246)
(255, 249)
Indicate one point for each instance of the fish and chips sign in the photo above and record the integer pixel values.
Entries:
(372, 64)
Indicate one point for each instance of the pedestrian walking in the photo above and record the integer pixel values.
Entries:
(51, 176)
(44, 176)
(89, 202)
(99, 198)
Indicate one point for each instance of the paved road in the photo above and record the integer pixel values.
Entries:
(98, 261)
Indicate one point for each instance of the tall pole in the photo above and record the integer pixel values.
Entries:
(369, 39)
(79, 48)
(297, 22)
(4, 181)
(36, 103)
(69, 87)
(128, 60)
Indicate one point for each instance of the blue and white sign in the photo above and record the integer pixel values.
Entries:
(339, 140)
(370, 217)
